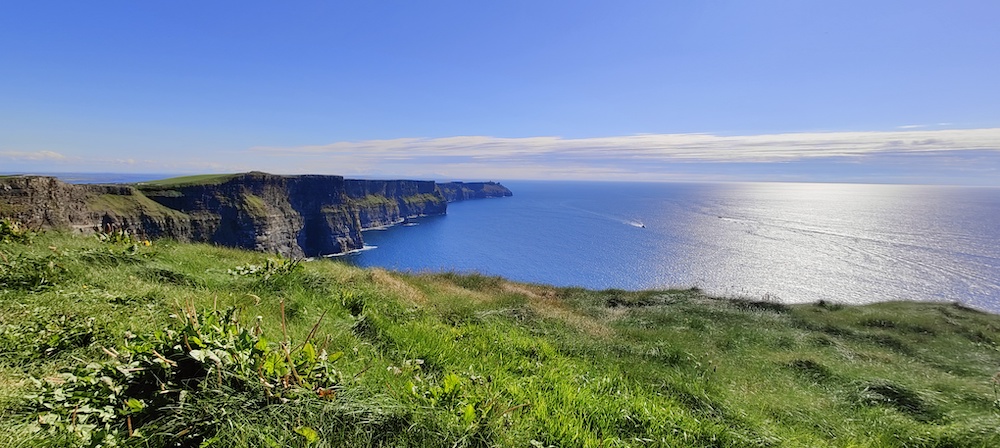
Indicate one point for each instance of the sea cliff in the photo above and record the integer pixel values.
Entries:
(307, 215)
(460, 191)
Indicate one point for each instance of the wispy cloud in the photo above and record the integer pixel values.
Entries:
(31, 155)
(927, 155)
(647, 155)
(674, 147)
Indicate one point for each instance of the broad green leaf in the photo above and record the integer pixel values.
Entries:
(261, 344)
(268, 366)
(469, 416)
(451, 383)
(310, 352)
(309, 433)
(135, 405)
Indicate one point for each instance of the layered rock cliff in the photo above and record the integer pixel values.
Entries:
(292, 215)
(460, 191)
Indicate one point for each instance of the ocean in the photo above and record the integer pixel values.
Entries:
(787, 242)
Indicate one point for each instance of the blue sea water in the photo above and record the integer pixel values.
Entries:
(791, 242)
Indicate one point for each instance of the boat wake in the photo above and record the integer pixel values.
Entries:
(629, 222)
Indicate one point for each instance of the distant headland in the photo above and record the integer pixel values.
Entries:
(304, 215)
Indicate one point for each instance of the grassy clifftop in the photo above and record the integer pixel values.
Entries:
(182, 181)
(325, 354)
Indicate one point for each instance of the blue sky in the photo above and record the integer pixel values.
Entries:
(861, 91)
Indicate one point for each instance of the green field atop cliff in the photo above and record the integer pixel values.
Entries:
(197, 179)
(109, 340)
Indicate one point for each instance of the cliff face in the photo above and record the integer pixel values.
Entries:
(291, 215)
(252, 211)
(460, 191)
(386, 202)
(46, 202)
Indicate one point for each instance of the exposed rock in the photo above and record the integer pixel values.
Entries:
(460, 191)
(291, 215)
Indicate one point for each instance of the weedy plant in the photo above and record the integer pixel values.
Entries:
(13, 231)
(42, 333)
(174, 385)
(119, 236)
(273, 268)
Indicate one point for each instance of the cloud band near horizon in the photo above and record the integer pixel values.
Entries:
(905, 155)
(655, 156)
(678, 147)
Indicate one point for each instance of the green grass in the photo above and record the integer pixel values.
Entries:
(422, 198)
(131, 205)
(255, 205)
(373, 200)
(472, 360)
(199, 179)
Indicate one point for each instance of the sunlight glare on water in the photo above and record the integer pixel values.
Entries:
(787, 241)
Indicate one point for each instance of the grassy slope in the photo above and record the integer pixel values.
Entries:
(538, 365)
(132, 205)
(198, 179)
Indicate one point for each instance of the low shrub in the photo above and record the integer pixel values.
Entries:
(272, 268)
(177, 385)
(277, 274)
(12, 231)
(121, 237)
(38, 332)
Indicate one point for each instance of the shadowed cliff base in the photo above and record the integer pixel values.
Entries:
(306, 215)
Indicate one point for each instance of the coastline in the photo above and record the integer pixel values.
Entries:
(302, 215)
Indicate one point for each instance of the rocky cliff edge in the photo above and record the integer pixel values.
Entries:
(307, 215)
